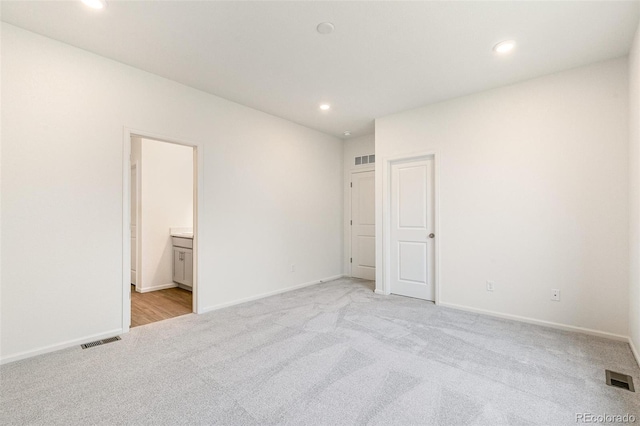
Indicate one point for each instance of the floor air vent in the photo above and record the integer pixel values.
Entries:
(100, 342)
(619, 380)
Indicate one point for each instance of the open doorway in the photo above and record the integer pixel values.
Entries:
(162, 217)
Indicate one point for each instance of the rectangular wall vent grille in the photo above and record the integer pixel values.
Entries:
(100, 342)
(619, 380)
(365, 159)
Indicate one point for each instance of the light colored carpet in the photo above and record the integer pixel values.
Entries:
(331, 354)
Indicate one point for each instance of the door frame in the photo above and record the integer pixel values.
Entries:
(383, 271)
(350, 218)
(198, 186)
(136, 165)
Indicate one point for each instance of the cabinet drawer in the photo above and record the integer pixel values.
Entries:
(182, 242)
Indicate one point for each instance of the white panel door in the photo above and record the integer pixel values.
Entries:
(412, 229)
(134, 216)
(363, 225)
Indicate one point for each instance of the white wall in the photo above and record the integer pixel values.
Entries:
(533, 190)
(355, 147)
(166, 202)
(272, 192)
(634, 195)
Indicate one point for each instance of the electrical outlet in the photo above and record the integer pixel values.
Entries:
(555, 294)
(490, 285)
(293, 267)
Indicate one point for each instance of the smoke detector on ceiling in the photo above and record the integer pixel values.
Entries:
(325, 28)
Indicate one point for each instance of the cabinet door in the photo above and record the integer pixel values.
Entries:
(187, 264)
(178, 266)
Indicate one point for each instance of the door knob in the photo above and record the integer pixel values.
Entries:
(432, 235)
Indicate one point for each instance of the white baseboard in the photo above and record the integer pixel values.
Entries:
(112, 333)
(378, 291)
(58, 346)
(550, 324)
(158, 287)
(635, 352)
(270, 293)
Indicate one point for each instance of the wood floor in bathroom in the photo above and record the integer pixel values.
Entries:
(159, 305)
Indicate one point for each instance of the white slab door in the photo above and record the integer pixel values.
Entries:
(412, 229)
(363, 225)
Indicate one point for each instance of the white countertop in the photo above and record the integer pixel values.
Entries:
(181, 232)
(183, 235)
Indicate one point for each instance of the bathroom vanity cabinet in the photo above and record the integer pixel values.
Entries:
(183, 261)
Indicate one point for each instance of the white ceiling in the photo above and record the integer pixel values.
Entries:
(382, 58)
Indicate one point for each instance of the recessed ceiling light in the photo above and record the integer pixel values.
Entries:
(347, 133)
(325, 28)
(325, 107)
(95, 4)
(504, 47)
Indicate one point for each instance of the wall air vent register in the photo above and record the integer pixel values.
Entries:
(365, 159)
